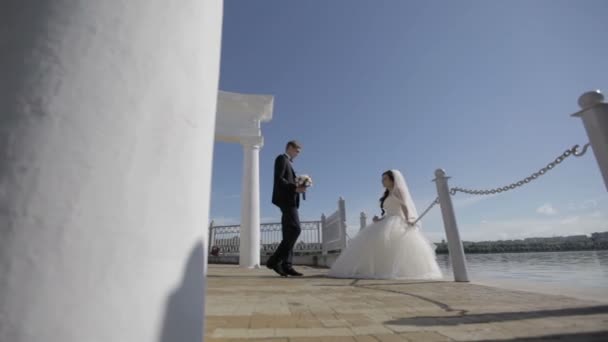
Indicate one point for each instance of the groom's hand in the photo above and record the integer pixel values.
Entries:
(301, 189)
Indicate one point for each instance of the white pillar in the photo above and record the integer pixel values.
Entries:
(249, 249)
(459, 264)
(106, 142)
(594, 113)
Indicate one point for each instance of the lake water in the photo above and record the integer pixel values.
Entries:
(579, 274)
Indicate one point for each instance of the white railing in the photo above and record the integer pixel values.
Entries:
(334, 229)
(308, 242)
(322, 236)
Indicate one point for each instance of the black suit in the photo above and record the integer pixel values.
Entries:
(285, 197)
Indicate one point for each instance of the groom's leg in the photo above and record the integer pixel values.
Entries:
(279, 254)
(290, 227)
(289, 261)
(292, 232)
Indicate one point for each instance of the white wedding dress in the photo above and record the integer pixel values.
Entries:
(389, 249)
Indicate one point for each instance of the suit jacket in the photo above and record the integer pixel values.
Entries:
(284, 193)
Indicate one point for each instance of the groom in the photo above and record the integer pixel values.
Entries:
(286, 196)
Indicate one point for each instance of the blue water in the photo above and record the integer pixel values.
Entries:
(581, 274)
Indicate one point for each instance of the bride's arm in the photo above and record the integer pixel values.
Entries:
(405, 212)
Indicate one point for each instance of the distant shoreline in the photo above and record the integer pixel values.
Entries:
(595, 242)
(444, 250)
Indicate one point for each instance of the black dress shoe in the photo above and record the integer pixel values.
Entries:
(277, 268)
(290, 271)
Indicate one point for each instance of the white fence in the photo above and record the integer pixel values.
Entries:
(327, 235)
(334, 229)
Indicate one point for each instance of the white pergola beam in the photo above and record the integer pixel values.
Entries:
(239, 115)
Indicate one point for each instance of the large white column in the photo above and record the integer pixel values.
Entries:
(250, 206)
(107, 115)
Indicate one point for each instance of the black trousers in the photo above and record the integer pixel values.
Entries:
(290, 227)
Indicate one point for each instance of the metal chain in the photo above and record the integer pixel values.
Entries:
(581, 153)
(435, 202)
(570, 152)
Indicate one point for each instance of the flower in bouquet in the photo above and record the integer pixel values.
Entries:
(305, 181)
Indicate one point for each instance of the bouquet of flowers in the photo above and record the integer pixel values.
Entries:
(305, 181)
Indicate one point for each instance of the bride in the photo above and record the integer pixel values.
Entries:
(392, 247)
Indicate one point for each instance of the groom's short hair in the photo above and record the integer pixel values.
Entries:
(293, 144)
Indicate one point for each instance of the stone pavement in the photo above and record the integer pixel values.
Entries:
(257, 305)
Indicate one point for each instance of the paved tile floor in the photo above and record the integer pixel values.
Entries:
(257, 305)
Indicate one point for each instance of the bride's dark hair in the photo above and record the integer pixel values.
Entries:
(391, 176)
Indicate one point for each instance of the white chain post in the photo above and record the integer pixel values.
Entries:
(362, 221)
(323, 242)
(211, 237)
(342, 209)
(456, 250)
(594, 113)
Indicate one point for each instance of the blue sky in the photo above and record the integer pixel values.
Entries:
(483, 89)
